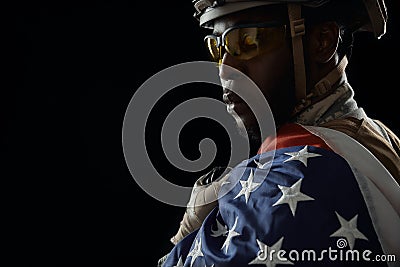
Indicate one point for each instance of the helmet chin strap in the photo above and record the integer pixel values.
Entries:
(324, 87)
(297, 30)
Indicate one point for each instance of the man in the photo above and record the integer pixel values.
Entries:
(328, 187)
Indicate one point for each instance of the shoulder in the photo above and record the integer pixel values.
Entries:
(292, 134)
(301, 163)
(298, 193)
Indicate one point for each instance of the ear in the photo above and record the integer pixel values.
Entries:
(324, 41)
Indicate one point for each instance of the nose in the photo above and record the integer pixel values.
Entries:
(230, 68)
(230, 72)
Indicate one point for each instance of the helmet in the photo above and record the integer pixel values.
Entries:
(373, 19)
(208, 10)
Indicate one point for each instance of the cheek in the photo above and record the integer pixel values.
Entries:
(271, 72)
(274, 76)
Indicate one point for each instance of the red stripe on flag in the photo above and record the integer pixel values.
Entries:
(292, 134)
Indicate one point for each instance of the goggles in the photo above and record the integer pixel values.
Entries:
(246, 41)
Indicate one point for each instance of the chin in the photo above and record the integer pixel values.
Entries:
(249, 130)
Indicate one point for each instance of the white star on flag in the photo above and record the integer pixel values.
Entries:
(260, 165)
(348, 230)
(292, 195)
(231, 234)
(196, 252)
(247, 187)
(221, 230)
(269, 260)
(301, 155)
(179, 263)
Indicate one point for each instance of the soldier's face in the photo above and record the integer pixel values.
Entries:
(270, 71)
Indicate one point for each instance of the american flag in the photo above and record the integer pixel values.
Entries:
(312, 201)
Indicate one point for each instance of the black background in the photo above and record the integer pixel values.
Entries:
(73, 71)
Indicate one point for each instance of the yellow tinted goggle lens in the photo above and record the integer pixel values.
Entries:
(248, 42)
(213, 48)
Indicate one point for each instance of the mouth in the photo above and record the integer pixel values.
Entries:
(230, 97)
(234, 104)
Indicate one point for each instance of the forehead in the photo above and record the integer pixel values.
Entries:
(252, 15)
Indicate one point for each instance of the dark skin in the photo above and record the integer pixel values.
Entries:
(273, 71)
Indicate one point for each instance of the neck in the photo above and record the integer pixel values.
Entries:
(324, 87)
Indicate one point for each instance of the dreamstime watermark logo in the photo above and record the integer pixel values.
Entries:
(331, 254)
(152, 90)
(341, 243)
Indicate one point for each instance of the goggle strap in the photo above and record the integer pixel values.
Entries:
(297, 29)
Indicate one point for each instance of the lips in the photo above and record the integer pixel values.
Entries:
(230, 97)
(234, 104)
